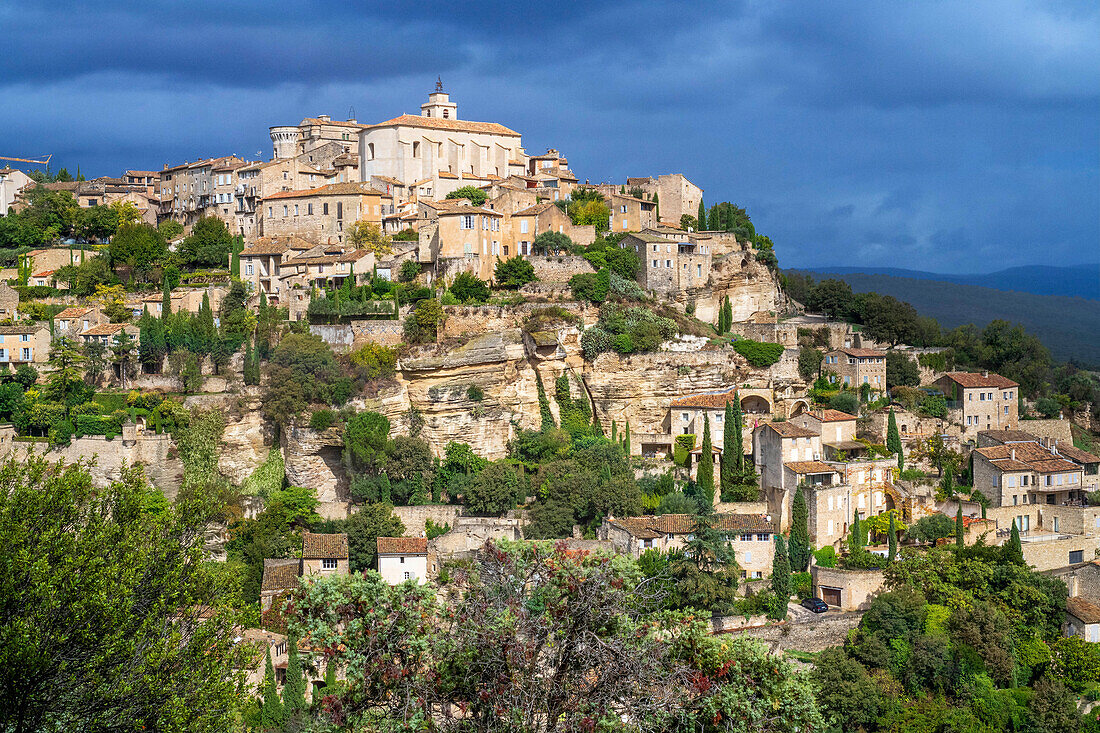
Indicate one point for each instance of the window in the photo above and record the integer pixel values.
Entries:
(748, 557)
(248, 270)
(745, 538)
(830, 527)
(523, 227)
(622, 209)
(324, 209)
(1010, 481)
(295, 209)
(763, 537)
(467, 222)
(328, 563)
(285, 208)
(656, 263)
(1075, 556)
(309, 209)
(684, 416)
(416, 149)
(408, 575)
(270, 215)
(26, 355)
(668, 263)
(339, 209)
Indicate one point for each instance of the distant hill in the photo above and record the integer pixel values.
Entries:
(1069, 327)
(1082, 281)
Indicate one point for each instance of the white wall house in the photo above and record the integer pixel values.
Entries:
(403, 558)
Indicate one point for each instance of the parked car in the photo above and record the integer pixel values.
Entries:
(815, 604)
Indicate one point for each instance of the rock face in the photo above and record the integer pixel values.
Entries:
(751, 288)
(314, 459)
(245, 443)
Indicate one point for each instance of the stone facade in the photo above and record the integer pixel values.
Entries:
(850, 590)
(559, 269)
(324, 214)
(853, 368)
(986, 401)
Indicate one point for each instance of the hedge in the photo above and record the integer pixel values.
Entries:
(758, 353)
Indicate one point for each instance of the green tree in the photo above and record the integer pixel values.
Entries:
(781, 577)
(366, 437)
(959, 526)
(855, 536)
(294, 688)
(64, 380)
(493, 491)
(702, 217)
(893, 439)
(170, 229)
(475, 195)
(139, 247)
(209, 244)
(469, 289)
(544, 405)
(704, 475)
(141, 614)
(901, 370)
(892, 540)
(730, 449)
(123, 356)
(272, 715)
(800, 548)
(1013, 549)
(514, 273)
(551, 242)
(809, 362)
(626, 439)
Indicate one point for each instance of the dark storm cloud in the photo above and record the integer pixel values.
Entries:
(938, 135)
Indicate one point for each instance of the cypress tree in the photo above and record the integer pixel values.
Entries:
(622, 189)
(856, 539)
(1013, 550)
(892, 540)
(704, 475)
(702, 217)
(271, 708)
(800, 533)
(959, 526)
(614, 432)
(893, 439)
(738, 440)
(386, 489)
(165, 301)
(781, 577)
(330, 679)
(626, 439)
(728, 475)
(294, 689)
(544, 405)
(657, 208)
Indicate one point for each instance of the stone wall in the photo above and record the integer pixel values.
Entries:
(559, 269)
(857, 587)
(1055, 552)
(155, 453)
(344, 337)
(415, 518)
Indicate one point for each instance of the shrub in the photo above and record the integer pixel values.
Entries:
(591, 287)
(475, 195)
(322, 419)
(933, 406)
(681, 450)
(410, 270)
(469, 289)
(845, 402)
(375, 361)
(514, 273)
(595, 341)
(625, 288)
(757, 353)
(825, 557)
(622, 343)
(475, 393)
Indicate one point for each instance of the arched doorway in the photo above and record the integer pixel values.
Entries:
(798, 407)
(755, 405)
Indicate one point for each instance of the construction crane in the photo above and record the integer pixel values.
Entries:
(45, 162)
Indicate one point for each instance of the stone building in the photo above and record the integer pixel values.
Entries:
(12, 183)
(675, 193)
(462, 238)
(193, 190)
(76, 319)
(24, 345)
(413, 148)
(667, 266)
(832, 425)
(1022, 473)
(750, 535)
(982, 401)
(521, 227)
(322, 554)
(9, 302)
(853, 368)
(630, 214)
(1082, 619)
(321, 214)
(261, 260)
(403, 558)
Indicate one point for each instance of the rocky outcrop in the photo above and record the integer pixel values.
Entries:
(314, 459)
(245, 443)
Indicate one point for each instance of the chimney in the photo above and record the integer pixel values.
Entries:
(985, 373)
(354, 121)
(1014, 454)
(324, 118)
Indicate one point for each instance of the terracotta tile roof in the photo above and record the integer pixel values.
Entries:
(536, 209)
(806, 467)
(442, 123)
(977, 379)
(148, 174)
(650, 527)
(316, 546)
(859, 352)
(337, 123)
(73, 311)
(331, 189)
(1054, 465)
(20, 330)
(1084, 610)
(790, 430)
(44, 273)
(829, 415)
(104, 329)
(713, 400)
(1077, 455)
(649, 238)
(1009, 436)
(261, 247)
(279, 574)
(389, 180)
(470, 210)
(402, 546)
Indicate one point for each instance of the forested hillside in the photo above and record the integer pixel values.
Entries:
(1067, 326)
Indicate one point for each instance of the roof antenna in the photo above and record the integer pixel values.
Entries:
(439, 83)
(351, 113)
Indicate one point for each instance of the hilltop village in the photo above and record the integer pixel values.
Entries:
(394, 342)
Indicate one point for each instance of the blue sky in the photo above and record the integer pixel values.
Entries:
(946, 136)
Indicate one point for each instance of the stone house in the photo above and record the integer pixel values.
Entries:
(106, 333)
(630, 214)
(675, 193)
(257, 181)
(148, 180)
(508, 199)
(188, 191)
(855, 367)
(1090, 464)
(685, 414)
(9, 302)
(260, 262)
(751, 536)
(984, 401)
(463, 237)
(849, 590)
(833, 426)
(280, 576)
(325, 554)
(12, 183)
(1026, 473)
(1082, 619)
(24, 345)
(669, 267)
(76, 319)
(321, 214)
(418, 147)
(521, 227)
(403, 558)
(324, 265)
